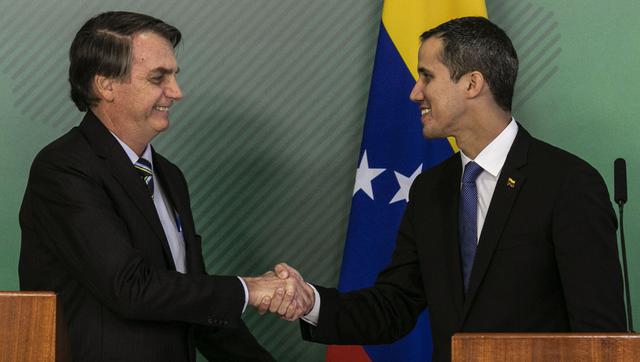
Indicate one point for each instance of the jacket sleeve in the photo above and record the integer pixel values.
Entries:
(584, 236)
(382, 313)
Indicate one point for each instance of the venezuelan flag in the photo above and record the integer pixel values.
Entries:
(393, 153)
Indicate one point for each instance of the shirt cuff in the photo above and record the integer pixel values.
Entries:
(314, 315)
(246, 294)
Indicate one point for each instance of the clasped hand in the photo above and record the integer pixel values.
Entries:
(281, 291)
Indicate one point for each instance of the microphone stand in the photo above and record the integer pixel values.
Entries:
(624, 264)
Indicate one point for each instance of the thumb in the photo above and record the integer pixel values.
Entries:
(282, 270)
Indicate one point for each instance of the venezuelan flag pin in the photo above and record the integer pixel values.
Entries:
(511, 182)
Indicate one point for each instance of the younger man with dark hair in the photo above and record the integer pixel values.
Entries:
(509, 235)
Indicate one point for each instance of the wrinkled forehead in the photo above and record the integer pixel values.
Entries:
(151, 50)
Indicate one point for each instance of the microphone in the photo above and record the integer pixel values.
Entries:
(620, 197)
(620, 181)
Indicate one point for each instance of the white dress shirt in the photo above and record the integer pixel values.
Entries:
(169, 217)
(491, 159)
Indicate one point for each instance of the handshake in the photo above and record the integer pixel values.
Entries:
(281, 291)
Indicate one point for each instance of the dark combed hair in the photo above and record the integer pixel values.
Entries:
(476, 44)
(103, 47)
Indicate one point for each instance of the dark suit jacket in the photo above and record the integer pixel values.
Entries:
(546, 261)
(90, 232)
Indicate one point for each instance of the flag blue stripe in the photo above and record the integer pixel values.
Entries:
(392, 138)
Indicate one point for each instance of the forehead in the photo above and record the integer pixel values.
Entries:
(150, 50)
(430, 50)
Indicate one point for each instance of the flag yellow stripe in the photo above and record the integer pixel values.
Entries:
(405, 20)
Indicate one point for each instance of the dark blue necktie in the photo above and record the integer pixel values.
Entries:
(144, 170)
(468, 222)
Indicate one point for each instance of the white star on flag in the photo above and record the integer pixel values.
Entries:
(405, 184)
(365, 175)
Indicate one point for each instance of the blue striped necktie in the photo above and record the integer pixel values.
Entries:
(146, 173)
(468, 220)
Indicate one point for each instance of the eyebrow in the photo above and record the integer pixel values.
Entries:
(164, 70)
(424, 71)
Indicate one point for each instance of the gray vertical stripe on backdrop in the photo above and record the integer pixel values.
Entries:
(533, 30)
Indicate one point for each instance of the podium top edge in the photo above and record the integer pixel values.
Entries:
(570, 335)
(14, 294)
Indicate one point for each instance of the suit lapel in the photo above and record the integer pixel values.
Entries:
(509, 184)
(449, 197)
(108, 148)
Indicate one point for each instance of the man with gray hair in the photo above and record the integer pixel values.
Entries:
(106, 221)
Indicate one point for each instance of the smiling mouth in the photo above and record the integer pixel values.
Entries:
(425, 111)
(161, 108)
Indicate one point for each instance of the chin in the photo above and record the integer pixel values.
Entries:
(430, 134)
(160, 125)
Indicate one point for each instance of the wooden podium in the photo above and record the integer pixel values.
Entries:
(32, 327)
(524, 347)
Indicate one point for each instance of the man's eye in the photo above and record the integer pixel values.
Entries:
(156, 80)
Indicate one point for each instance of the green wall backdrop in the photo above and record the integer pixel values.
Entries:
(268, 133)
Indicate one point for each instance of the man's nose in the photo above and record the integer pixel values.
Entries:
(416, 94)
(173, 90)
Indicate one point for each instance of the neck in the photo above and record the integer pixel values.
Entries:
(128, 135)
(481, 131)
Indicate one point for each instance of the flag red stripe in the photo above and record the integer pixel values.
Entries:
(347, 354)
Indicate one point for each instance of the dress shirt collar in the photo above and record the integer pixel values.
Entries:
(132, 155)
(492, 157)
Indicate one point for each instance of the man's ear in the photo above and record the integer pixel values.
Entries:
(103, 87)
(475, 83)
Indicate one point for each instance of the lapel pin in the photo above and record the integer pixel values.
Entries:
(511, 182)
